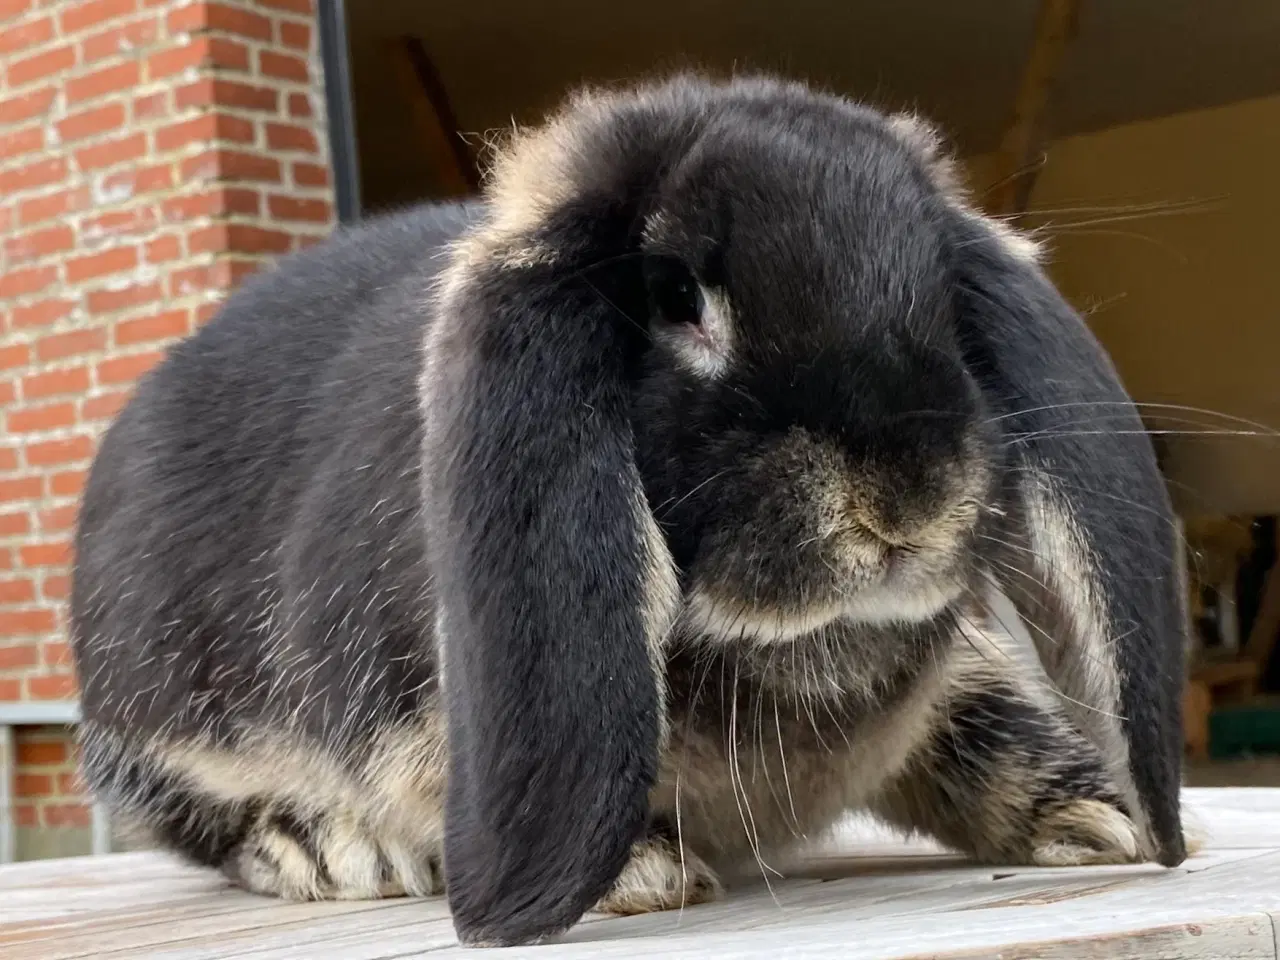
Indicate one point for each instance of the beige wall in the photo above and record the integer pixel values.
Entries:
(1187, 303)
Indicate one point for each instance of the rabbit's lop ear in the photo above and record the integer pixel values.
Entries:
(1090, 554)
(555, 588)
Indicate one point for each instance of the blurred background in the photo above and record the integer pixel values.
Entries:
(153, 153)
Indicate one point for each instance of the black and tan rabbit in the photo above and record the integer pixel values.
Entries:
(581, 546)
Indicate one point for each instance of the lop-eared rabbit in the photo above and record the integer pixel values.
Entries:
(582, 546)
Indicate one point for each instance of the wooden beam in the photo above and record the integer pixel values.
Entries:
(1266, 623)
(1055, 28)
(431, 115)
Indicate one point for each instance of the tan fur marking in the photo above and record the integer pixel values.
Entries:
(395, 805)
(1108, 836)
(1082, 663)
(927, 143)
(655, 878)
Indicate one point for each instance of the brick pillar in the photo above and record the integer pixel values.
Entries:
(152, 153)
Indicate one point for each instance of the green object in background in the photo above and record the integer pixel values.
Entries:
(1246, 729)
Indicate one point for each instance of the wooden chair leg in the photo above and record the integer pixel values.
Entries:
(1197, 703)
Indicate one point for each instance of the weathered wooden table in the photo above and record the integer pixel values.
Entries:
(865, 895)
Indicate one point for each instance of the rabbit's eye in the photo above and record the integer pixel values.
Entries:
(677, 296)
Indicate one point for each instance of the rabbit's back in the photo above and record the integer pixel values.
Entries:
(244, 554)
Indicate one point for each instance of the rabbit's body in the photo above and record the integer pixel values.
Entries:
(426, 552)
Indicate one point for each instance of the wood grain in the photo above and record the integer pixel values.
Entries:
(863, 892)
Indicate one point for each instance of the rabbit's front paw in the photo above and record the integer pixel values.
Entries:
(658, 878)
(1084, 832)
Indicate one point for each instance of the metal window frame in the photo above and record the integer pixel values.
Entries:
(58, 713)
(335, 57)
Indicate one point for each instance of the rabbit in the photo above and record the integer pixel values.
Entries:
(588, 544)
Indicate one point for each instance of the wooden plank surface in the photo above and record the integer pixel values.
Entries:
(863, 893)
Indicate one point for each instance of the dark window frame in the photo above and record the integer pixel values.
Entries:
(343, 156)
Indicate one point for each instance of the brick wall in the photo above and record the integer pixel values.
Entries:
(152, 153)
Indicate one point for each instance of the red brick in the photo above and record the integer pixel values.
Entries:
(68, 483)
(102, 82)
(55, 382)
(57, 519)
(38, 173)
(44, 64)
(14, 524)
(112, 152)
(49, 417)
(217, 52)
(283, 66)
(6, 563)
(26, 106)
(206, 312)
(40, 243)
(8, 455)
(42, 753)
(161, 326)
(23, 623)
(91, 122)
(56, 587)
(283, 136)
(24, 36)
(17, 355)
(231, 165)
(212, 203)
(32, 784)
(94, 265)
(141, 179)
(61, 345)
(24, 814)
(118, 40)
(282, 207)
(191, 280)
(26, 280)
(20, 142)
(61, 815)
(22, 488)
(211, 239)
(16, 591)
(10, 9)
(18, 657)
(204, 16)
(310, 175)
(151, 107)
(162, 249)
(291, 6)
(83, 15)
(104, 406)
(108, 301)
(50, 453)
(213, 126)
(297, 35)
(226, 93)
(53, 205)
(69, 784)
(300, 106)
(118, 223)
(53, 554)
(129, 368)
